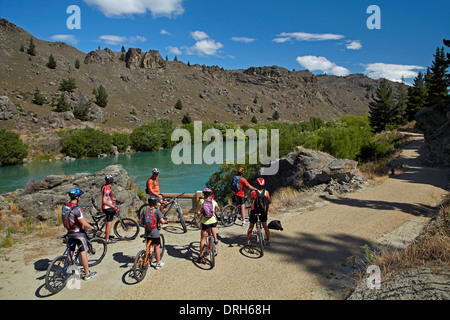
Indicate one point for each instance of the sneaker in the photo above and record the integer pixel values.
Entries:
(247, 243)
(159, 265)
(110, 241)
(90, 275)
(201, 260)
(267, 243)
(245, 223)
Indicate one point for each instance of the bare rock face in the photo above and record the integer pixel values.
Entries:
(100, 56)
(434, 122)
(41, 199)
(7, 108)
(135, 58)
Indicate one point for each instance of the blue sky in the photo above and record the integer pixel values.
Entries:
(322, 36)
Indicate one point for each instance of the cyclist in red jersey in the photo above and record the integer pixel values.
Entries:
(108, 207)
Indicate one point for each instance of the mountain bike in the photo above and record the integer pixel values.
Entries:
(124, 228)
(65, 266)
(145, 257)
(210, 248)
(173, 203)
(259, 233)
(230, 213)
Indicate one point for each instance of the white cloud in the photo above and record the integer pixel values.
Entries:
(65, 38)
(393, 72)
(304, 36)
(204, 45)
(313, 63)
(111, 8)
(165, 32)
(353, 45)
(199, 35)
(174, 50)
(120, 40)
(243, 39)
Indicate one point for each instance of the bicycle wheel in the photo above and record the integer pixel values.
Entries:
(96, 251)
(260, 238)
(228, 215)
(212, 251)
(141, 209)
(198, 220)
(140, 266)
(126, 229)
(181, 217)
(56, 276)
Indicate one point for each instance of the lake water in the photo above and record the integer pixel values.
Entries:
(173, 178)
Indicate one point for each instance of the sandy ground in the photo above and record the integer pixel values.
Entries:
(309, 259)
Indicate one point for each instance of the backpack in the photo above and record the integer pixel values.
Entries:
(207, 209)
(261, 201)
(275, 225)
(236, 184)
(150, 220)
(65, 213)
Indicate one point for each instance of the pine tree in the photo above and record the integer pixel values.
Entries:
(276, 115)
(51, 62)
(101, 97)
(38, 98)
(402, 100)
(437, 79)
(382, 109)
(179, 105)
(62, 105)
(31, 48)
(186, 119)
(77, 64)
(417, 96)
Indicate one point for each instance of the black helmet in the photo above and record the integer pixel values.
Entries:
(152, 200)
(109, 178)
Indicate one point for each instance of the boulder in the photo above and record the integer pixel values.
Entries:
(7, 108)
(42, 199)
(303, 168)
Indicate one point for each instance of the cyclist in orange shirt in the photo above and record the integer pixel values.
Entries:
(153, 188)
(238, 197)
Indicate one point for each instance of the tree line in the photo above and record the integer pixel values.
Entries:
(428, 89)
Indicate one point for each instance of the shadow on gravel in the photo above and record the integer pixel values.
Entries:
(414, 209)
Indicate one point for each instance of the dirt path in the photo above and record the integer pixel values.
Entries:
(307, 260)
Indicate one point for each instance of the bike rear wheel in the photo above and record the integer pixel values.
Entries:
(182, 221)
(97, 248)
(212, 251)
(126, 229)
(56, 276)
(140, 266)
(228, 215)
(260, 238)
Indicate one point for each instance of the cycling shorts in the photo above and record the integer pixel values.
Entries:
(238, 200)
(79, 238)
(253, 218)
(206, 226)
(110, 213)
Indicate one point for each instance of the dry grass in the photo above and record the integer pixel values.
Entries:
(431, 248)
(287, 197)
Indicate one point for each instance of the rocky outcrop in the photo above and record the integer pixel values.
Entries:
(7, 108)
(100, 56)
(316, 170)
(44, 198)
(135, 58)
(434, 122)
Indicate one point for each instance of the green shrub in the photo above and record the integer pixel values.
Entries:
(121, 141)
(12, 149)
(84, 143)
(67, 85)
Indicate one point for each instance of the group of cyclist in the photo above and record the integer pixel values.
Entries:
(76, 224)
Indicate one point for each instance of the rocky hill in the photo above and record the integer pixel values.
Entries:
(142, 85)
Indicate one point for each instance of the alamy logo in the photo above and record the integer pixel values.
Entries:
(74, 281)
(374, 21)
(374, 277)
(213, 153)
(74, 21)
